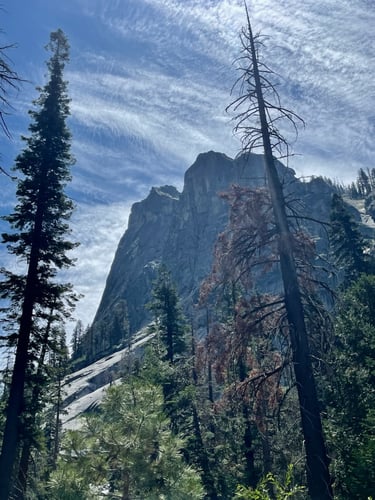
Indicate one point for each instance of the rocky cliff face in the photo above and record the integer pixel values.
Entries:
(180, 230)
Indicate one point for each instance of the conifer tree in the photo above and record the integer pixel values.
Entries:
(350, 391)
(44, 386)
(168, 316)
(346, 241)
(77, 337)
(363, 183)
(176, 376)
(126, 450)
(259, 99)
(38, 238)
(170, 328)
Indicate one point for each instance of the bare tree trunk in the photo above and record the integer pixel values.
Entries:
(318, 478)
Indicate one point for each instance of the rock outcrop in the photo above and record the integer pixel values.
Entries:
(84, 389)
(180, 230)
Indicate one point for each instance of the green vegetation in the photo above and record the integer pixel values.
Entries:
(351, 390)
(347, 243)
(256, 396)
(38, 237)
(270, 488)
(125, 450)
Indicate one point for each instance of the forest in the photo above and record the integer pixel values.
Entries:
(274, 401)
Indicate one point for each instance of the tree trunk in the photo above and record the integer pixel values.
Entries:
(266, 452)
(202, 455)
(126, 486)
(23, 467)
(318, 478)
(17, 388)
(251, 479)
(16, 394)
(56, 445)
(23, 471)
(207, 478)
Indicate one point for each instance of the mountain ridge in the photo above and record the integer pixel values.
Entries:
(179, 229)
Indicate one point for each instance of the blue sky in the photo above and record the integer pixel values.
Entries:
(150, 81)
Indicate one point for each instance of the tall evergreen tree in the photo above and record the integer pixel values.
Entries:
(77, 340)
(363, 183)
(38, 237)
(346, 241)
(175, 374)
(168, 315)
(170, 328)
(351, 391)
(44, 385)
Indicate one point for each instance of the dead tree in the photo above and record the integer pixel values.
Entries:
(9, 80)
(259, 100)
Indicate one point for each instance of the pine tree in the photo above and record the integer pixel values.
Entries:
(350, 391)
(363, 183)
(347, 243)
(76, 343)
(126, 450)
(171, 370)
(43, 388)
(372, 178)
(259, 98)
(58, 368)
(38, 238)
(170, 347)
(168, 316)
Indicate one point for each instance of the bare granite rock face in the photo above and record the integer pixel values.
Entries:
(180, 230)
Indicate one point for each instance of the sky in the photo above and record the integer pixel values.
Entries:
(149, 82)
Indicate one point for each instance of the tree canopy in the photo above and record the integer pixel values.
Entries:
(38, 238)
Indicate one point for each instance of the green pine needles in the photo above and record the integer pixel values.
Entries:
(39, 239)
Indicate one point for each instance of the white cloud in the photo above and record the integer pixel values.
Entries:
(98, 229)
(324, 48)
(150, 79)
(172, 97)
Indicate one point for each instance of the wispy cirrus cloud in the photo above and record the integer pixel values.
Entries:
(133, 126)
(150, 81)
(98, 228)
(322, 49)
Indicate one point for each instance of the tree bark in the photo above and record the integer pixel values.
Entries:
(23, 467)
(16, 395)
(17, 388)
(318, 477)
(204, 462)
